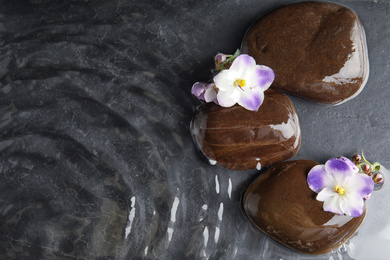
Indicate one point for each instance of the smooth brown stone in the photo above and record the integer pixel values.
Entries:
(317, 50)
(281, 204)
(240, 139)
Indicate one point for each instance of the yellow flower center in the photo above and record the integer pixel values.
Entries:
(339, 189)
(239, 83)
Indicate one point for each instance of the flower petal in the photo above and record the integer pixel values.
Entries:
(349, 162)
(332, 204)
(198, 90)
(361, 184)
(227, 98)
(224, 80)
(319, 179)
(250, 99)
(261, 77)
(325, 194)
(241, 64)
(210, 94)
(341, 168)
(352, 204)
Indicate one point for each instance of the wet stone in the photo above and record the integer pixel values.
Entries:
(240, 139)
(317, 50)
(281, 204)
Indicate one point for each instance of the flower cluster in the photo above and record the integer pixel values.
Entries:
(371, 169)
(340, 186)
(239, 81)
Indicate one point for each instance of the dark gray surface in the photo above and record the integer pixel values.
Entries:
(96, 157)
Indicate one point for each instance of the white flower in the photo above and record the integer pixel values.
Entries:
(340, 186)
(243, 83)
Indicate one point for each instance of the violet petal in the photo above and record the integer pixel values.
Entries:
(349, 162)
(265, 76)
(317, 178)
(362, 184)
(250, 99)
(340, 169)
(198, 89)
(241, 64)
(352, 204)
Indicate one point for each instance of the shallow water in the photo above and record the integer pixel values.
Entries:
(373, 239)
(96, 157)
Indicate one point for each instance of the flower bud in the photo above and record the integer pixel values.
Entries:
(356, 159)
(378, 178)
(219, 59)
(367, 169)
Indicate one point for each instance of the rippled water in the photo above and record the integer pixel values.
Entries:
(96, 157)
(373, 239)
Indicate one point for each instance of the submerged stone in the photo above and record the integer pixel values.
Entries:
(281, 204)
(240, 139)
(317, 50)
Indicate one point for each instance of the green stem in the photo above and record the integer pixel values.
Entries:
(230, 58)
(374, 166)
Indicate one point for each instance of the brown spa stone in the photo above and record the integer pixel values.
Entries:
(281, 204)
(317, 50)
(240, 139)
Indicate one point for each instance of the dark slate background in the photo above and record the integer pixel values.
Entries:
(96, 156)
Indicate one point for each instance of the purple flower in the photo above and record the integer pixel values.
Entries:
(340, 186)
(206, 92)
(243, 83)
